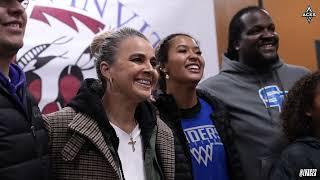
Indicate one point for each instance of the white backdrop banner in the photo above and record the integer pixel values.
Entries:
(56, 55)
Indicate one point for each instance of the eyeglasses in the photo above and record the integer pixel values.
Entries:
(24, 3)
(7, 3)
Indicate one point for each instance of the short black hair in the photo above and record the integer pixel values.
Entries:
(299, 101)
(236, 27)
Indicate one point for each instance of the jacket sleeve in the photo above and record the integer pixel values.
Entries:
(47, 126)
(165, 149)
(46, 122)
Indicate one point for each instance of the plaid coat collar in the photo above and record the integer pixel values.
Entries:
(86, 128)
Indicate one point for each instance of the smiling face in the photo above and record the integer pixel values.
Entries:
(13, 21)
(258, 44)
(133, 74)
(185, 63)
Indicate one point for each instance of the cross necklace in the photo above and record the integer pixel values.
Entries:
(132, 143)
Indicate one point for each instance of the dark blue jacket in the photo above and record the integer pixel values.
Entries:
(300, 160)
(23, 139)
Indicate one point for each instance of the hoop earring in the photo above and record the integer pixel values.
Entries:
(167, 76)
(164, 70)
(110, 81)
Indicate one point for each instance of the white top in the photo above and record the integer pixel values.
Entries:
(132, 161)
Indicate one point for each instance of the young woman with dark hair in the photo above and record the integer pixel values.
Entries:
(203, 138)
(301, 124)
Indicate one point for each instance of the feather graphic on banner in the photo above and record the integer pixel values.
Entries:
(81, 20)
(70, 80)
(65, 17)
(31, 60)
(86, 60)
(69, 54)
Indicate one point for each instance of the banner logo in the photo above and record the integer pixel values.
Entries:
(56, 55)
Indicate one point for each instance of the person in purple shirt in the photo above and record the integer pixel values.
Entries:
(23, 139)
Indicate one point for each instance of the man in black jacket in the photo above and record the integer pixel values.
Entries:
(23, 140)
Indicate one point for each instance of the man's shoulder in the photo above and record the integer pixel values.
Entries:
(297, 69)
(64, 115)
(215, 80)
(298, 153)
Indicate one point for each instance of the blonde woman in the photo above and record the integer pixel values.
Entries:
(110, 130)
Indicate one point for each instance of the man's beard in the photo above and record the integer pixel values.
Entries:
(261, 63)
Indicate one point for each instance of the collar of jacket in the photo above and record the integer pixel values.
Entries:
(168, 106)
(84, 129)
(311, 141)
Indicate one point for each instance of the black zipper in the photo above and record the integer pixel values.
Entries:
(184, 142)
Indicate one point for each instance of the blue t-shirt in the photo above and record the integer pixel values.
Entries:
(208, 156)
